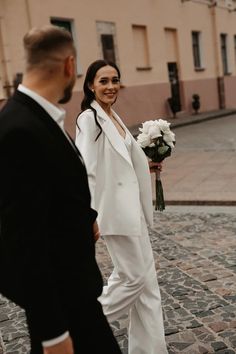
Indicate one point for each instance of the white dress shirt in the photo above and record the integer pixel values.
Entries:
(58, 115)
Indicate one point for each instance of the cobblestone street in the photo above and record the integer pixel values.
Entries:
(196, 262)
(195, 252)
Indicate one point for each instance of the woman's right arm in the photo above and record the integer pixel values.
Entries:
(86, 133)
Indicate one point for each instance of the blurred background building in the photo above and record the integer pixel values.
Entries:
(167, 50)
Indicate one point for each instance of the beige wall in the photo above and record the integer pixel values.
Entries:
(208, 90)
(230, 91)
(168, 25)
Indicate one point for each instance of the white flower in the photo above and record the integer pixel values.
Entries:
(144, 140)
(151, 128)
(146, 126)
(169, 138)
(164, 125)
(154, 131)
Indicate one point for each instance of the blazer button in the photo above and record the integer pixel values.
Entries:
(119, 184)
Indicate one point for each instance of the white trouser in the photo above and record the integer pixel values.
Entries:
(133, 287)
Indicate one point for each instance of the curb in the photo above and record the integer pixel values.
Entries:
(189, 120)
(202, 202)
(202, 119)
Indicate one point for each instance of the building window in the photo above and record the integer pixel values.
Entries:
(224, 53)
(68, 25)
(107, 41)
(108, 48)
(196, 44)
(141, 50)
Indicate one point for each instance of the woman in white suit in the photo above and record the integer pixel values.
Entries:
(120, 186)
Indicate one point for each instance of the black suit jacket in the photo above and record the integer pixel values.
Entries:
(47, 251)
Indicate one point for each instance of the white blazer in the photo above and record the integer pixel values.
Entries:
(119, 184)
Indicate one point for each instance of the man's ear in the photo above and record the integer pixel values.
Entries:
(69, 65)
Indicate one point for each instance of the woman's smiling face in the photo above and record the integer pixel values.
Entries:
(106, 86)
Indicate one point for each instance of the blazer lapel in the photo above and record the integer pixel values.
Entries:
(111, 132)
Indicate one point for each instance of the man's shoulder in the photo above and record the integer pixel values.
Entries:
(15, 102)
(18, 117)
(9, 112)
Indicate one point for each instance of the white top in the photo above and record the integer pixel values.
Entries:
(128, 143)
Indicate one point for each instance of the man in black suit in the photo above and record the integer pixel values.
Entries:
(48, 229)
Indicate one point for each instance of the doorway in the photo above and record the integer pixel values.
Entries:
(174, 100)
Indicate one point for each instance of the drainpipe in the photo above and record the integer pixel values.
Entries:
(27, 7)
(6, 68)
(7, 75)
(3, 68)
(220, 77)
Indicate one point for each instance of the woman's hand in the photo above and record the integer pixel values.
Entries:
(96, 232)
(155, 166)
(64, 347)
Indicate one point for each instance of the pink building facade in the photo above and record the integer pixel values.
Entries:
(167, 50)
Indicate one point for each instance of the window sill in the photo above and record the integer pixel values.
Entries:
(200, 69)
(143, 68)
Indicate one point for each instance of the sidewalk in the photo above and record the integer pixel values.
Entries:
(200, 174)
(183, 119)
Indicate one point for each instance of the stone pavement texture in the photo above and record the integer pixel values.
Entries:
(194, 246)
(195, 254)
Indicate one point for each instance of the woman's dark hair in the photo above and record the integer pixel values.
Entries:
(88, 81)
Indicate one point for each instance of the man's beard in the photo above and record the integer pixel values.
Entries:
(67, 93)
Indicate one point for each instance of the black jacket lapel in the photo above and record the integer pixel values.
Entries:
(52, 126)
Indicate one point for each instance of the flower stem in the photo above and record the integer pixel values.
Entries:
(159, 203)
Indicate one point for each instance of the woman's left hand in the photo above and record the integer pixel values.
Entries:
(96, 232)
(155, 166)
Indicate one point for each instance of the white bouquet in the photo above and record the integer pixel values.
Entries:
(157, 141)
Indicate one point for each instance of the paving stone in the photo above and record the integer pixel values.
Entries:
(218, 345)
(208, 277)
(195, 260)
(218, 326)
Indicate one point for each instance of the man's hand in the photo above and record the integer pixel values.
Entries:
(96, 233)
(64, 347)
(155, 166)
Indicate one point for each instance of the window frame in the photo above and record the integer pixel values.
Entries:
(70, 21)
(196, 37)
(107, 28)
(104, 50)
(146, 67)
